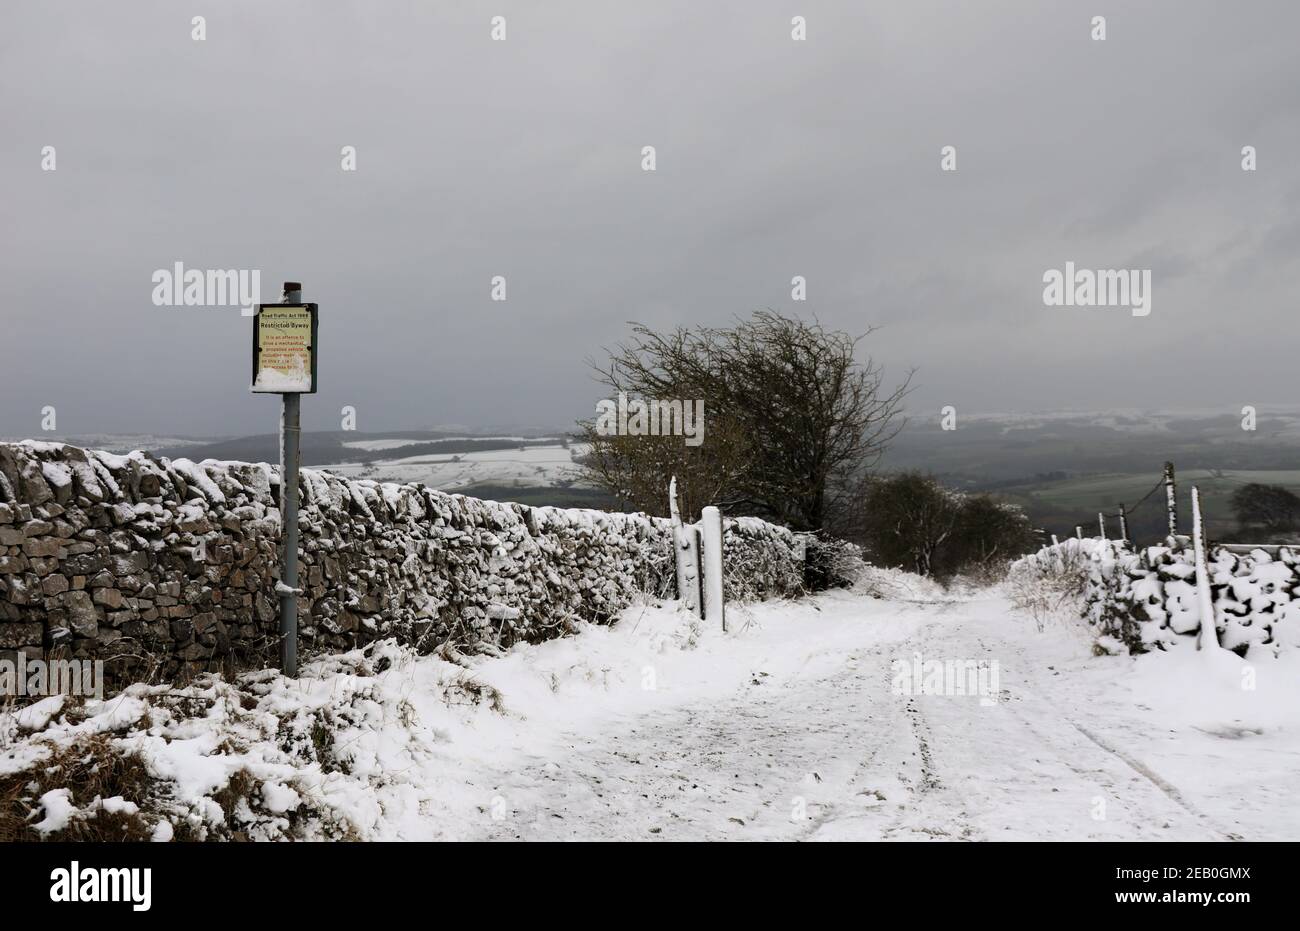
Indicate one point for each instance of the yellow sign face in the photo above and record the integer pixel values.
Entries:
(282, 357)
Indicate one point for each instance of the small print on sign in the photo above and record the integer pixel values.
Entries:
(284, 337)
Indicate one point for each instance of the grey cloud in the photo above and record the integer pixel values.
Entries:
(522, 159)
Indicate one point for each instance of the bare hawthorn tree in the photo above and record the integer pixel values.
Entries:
(792, 419)
(635, 470)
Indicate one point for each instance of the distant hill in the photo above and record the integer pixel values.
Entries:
(988, 451)
(330, 448)
(1063, 467)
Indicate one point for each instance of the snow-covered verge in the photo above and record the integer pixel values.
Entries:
(1180, 745)
(335, 754)
(1145, 599)
(168, 568)
(379, 742)
(790, 726)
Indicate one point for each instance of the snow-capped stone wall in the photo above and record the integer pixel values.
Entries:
(166, 566)
(1146, 599)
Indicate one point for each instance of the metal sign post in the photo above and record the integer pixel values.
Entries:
(284, 362)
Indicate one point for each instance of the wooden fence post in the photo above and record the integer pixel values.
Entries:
(1171, 502)
(714, 609)
(686, 551)
(1123, 524)
(1101, 525)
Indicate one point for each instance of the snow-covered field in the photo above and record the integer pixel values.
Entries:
(1133, 420)
(113, 442)
(530, 465)
(788, 727)
(398, 443)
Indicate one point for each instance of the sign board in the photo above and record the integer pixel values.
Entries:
(284, 349)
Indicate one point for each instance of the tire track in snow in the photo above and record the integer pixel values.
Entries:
(734, 769)
(1050, 726)
(866, 763)
(1137, 766)
(1143, 770)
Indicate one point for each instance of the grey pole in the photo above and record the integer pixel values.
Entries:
(1123, 524)
(289, 436)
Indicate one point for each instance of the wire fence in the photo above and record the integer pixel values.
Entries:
(1155, 515)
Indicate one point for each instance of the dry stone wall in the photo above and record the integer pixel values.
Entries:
(165, 567)
(1145, 599)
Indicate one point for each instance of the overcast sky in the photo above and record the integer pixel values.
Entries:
(522, 158)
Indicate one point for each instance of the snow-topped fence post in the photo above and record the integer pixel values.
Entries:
(1208, 636)
(714, 609)
(1171, 501)
(1101, 525)
(686, 553)
(1123, 524)
(284, 363)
